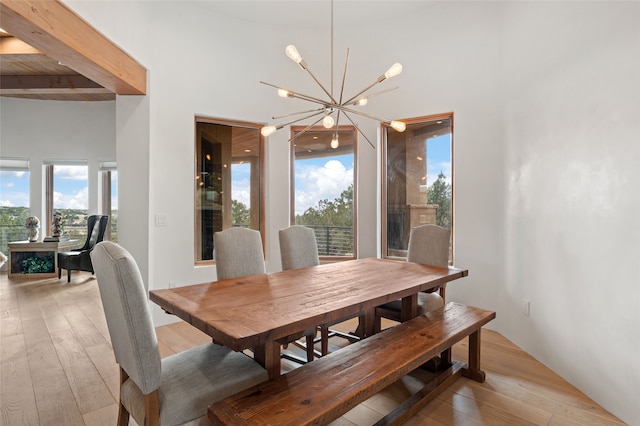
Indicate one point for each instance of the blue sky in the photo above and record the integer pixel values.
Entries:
(70, 188)
(14, 189)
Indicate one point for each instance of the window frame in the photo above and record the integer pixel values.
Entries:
(261, 179)
(16, 232)
(106, 205)
(48, 172)
(384, 176)
(292, 189)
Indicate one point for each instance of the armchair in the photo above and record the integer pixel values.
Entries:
(79, 259)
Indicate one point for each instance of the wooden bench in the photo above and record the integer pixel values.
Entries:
(325, 389)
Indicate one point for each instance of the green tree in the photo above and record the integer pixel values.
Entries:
(240, 214)
(333, 222)
(338, 212)
(440, 193)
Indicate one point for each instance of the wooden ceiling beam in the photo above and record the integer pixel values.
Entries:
(53, 82)
(54, 29)
(14, 46)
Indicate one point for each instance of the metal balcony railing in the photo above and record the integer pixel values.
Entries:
(333, 240)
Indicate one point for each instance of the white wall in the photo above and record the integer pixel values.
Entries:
(51, 130)
(545, 97)
(572, 243)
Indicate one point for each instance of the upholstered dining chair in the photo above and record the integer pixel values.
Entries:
(79, 259)
(298, 249)
(238, 253)
(168, 391)
(428, 245)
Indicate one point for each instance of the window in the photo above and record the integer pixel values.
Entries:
(109, 202)
(324, 190)
(228, 176)
(14, 200)
(417, 180)
(67, 192)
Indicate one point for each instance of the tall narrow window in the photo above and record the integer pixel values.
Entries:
(324, 190)
(109, 201)
(67, 192)
(417, 181)
(228, 190)
(14, 200)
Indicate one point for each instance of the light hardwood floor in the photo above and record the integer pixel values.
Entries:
(57, 368)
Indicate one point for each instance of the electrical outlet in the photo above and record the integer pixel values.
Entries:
(162, 219)
(526, 307)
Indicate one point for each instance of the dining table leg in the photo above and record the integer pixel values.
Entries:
(409, 307)
(365, 323)
(268, 355)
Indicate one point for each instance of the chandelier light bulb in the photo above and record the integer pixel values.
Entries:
(328, 122)
(268, 130)
(399, 126)
(293, 54)
(284, 93)
(362, 102)
(334, 142)
(393, 71)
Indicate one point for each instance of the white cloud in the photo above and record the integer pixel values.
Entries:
(314, 183)
(71, 172)
(241, 191)
(75, 200)
(11, 174)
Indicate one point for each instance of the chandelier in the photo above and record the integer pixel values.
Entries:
(330, 106)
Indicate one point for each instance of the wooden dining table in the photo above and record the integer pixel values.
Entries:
(257, 312)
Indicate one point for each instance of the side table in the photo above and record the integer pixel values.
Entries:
(41, 258)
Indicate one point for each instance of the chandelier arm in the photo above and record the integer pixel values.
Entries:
(280, 126)
(319, 84)
(337, 123)
(308, 98)
(373, 95)
(344, 75)
(362, 91)
(358, 128)
(296, 113)
(364, 114)
(300, 95)
(305, 129)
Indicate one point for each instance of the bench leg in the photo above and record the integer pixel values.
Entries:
(473, 369)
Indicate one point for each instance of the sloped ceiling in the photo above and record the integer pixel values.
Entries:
(49, 52)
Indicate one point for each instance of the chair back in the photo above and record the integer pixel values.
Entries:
(429, 245)
(298, 247)
(126, 307)
(96, 227)
(238, 253)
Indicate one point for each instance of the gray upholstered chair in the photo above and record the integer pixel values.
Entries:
(428, 245)
(79, 259)
(298, 249)
(168, 391)
(238, 253)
